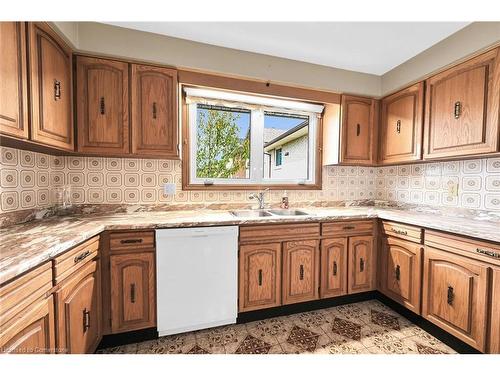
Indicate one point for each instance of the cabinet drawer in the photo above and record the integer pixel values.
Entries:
(67, 263)
(23, 291)
(346, 228)
(278, 232)
(480, 250)
(405, 232)
(128, 241)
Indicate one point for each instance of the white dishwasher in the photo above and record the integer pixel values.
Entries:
(196, 278)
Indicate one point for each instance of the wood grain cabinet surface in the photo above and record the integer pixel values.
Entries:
(358, 130)
(300, 271)
(462, 109)
(154, 111)
(133, 298)
(401, 125)
(14, 81)
(102, 106)
(455, 295)
(333, 267)
(259, 276)
(51, 87)
(401, 272)
(494, 333)
(362, 269)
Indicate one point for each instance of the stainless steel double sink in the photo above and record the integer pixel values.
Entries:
(268, 212)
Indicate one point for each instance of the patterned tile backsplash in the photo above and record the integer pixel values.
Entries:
(29, 180)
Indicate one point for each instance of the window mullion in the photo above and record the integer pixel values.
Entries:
(256, 146)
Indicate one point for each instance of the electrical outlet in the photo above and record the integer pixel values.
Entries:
(169, 188)
(453, 190)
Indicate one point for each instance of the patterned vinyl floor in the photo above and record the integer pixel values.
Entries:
(359, 328)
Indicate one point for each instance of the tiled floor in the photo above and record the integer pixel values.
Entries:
(360, 328)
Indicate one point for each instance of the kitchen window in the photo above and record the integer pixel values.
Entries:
(238, 140)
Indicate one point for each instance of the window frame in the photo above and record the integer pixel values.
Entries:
(191, 182)
(276, 157)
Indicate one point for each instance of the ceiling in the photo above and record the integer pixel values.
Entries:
(368, 47)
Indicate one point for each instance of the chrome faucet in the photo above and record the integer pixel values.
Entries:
(260, 198)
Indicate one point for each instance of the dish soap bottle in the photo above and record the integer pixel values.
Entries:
(284, 201)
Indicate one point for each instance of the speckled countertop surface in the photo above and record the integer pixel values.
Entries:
(25, 246)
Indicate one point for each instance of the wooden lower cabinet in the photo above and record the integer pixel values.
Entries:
(78, 306)
(32, 331)
(259, 276)
(300, 271)
(333, 267)
(494, 342)
(401, 272)
(362, 268)
(455, 295)
(133, 296)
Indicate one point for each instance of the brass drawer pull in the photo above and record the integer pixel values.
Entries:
(398, 272)
(133, 240)
(301, 272)
(334, 268)
(450, 296)
(488, 253)
(349, 227)
(82, 256)
(57, 90)
(398, 231)
(398, 126)
(358, 130)
(86, 320)
(260, 277)
(102, 106)
(154, 110)
(361, 264)
(132, 293)
(457, 110)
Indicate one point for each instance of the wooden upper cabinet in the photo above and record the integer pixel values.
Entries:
(358, 130)
(259, 276)
(300, 271)
(13, 78)
(102, 106)
(362, 269)
(494, 344)
(455, 295)
(462, 108)
(333, 267)
(401, 125)
(401, 272)
(154, 111)
(51, 88)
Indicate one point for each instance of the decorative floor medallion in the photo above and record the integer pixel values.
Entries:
(252, 345)
(347, 329)
(385, 320)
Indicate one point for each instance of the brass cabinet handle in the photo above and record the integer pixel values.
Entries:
(133, 240)
(398, 231)
(348, 227)
(398, 272)
(361, 264)
(488, 253)
(450, 296)
(102, 106)
(260, 277)
(154, 110)
(334, 268)
(132, 292)
(86, 320)
(301, 272)
(457, 110)
(82, 256)
(358, 130)
(57, 90)
(398, 126)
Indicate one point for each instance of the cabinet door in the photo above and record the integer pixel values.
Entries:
(455, 295)
(333, 267)
(102, 106)
(462, 106)
(494, 345)
(362, 268)
(51, 88)
(401, 272)
(401, 125)
(259, 276)
(78, 308)
(32, 332)
(133, 298)
(358, 130)
(14, 87)
(154, 111)
(300, 271)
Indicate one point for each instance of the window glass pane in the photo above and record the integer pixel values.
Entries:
(222, 142)
(286, 146)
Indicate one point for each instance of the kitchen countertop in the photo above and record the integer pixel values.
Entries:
(25, 246)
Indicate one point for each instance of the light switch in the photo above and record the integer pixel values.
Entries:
(169, 188)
